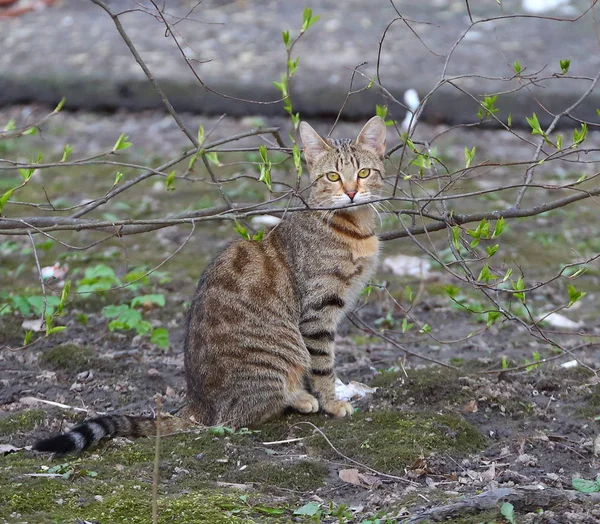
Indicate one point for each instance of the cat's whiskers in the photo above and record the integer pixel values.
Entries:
(372, 206)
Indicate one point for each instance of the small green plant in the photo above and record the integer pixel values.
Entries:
(508, 512)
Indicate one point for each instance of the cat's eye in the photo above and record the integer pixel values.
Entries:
(364, 173)
(332, 177)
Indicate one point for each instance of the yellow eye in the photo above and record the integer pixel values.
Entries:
(364, 173)
(332, 177)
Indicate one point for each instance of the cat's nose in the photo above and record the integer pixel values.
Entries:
(351, 195)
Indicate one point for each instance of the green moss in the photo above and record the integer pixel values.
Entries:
(591, 407)
(36, 502)
(305, 475)
(390, 440)
(431, 385)
(22, 421)
(69, 357)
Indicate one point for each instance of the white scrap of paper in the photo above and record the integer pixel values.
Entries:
(353, 390)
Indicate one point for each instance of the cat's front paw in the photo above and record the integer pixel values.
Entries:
(305, 403)
(338, 408)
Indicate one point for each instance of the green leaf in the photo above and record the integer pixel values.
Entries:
(579, 135)
(49, 322)
(564, 66)
(213, 158)
(425, 329)
(31, 131)
(518, 286)
(259, 235)
(192, 162)
(509, 120)
(310, 509)
(11, 125)
(308, 19)
(265, 168)
(28, 337)
(469, 155)
(574, 295)
(118, 177)
(200, 134)
(269, 511)
(64, 295)
(508, 512)
(492, 317)
(491, 250)
(220, 431)
(534, 123)
(67, 150)
(451, 291)
(456, 237)
(121, 143)
(241, 230)
(381, 111)
(286, 37)
(149, 300)
(60, 105)
(160, 337)
(297, 159)
(500, 227)
(169, 181)
(55, 329)
(485, 274)
(586, 486)
(406, 326)
(517, 67)
(5, 198)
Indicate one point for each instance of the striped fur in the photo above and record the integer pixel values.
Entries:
(90, 432)
(261, 327)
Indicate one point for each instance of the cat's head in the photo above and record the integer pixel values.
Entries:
(345, 172)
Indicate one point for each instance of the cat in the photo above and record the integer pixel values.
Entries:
(260, 330)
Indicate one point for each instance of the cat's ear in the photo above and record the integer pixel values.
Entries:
(372, 136)
(314, 145)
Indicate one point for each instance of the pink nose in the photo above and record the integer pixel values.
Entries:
(351, 195)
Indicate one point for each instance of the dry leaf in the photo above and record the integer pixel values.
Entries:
(470, 407)
(6, 449)
(350, 476)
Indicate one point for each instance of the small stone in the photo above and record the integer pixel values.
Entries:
(153, 372)
(85, 376)
(98, 498)
(199, 456)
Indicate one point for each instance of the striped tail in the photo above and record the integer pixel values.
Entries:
(91, 431)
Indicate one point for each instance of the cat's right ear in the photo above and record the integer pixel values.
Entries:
(314, 145)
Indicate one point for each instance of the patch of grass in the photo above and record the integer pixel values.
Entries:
(70, 357)
(305, 475)
(22, 421)
(390, 440)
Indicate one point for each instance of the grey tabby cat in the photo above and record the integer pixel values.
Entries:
(261, 327)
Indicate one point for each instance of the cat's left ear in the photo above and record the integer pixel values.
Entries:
(373, 135)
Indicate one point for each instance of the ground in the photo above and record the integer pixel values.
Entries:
(430, 436)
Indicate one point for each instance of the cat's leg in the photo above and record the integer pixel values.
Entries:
(321, 348)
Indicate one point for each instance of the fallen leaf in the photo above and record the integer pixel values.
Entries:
(470, 407)
(350, 476)
(33, 325)
(353, 476)
(6, 449)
